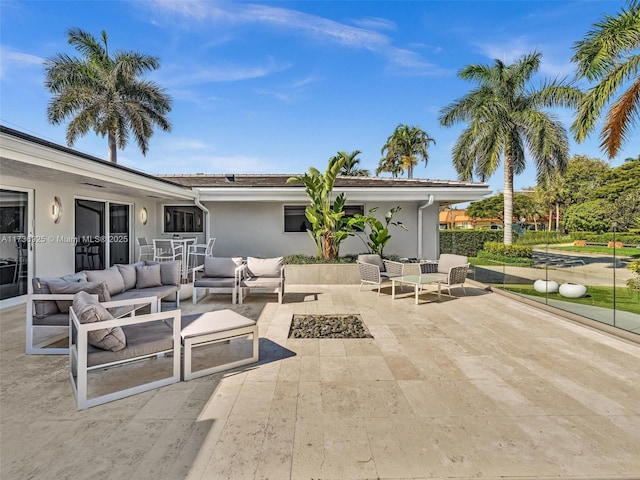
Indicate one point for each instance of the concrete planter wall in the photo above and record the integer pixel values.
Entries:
(323, 274)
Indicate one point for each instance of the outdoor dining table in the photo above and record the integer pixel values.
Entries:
(417, 281)
(184, 243)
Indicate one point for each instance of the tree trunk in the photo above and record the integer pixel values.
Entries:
(550, 219)
(508, 199)
(557, 217)
(113, 149)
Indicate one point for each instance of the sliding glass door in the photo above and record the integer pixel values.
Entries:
(15, 248)
(102, 234)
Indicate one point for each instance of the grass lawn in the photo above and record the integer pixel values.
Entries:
(626, 300)
(620, 252)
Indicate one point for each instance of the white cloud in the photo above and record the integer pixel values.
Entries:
(12, 60)
(375, 23)
(224, 73)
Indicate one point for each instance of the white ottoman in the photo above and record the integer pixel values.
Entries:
(204, 329)
(573, 290)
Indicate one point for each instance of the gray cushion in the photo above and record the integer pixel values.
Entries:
(148, 276)
(373, 259)
(448, 260)
(115, 282)
(88, 310)
(44, 308)
(169, 272)
(221, 267)
(99, 289)
(128, 273)
(161, 291)
(265, 267)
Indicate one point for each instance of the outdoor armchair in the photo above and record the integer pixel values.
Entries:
(452, 270)
(374, 270)
(217, 273)
(262, 273)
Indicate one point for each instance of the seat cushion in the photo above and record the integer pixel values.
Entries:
(448, 260)
(221, 267)
(257, 282)
(148, 276)
(264, 267)
(111, 275)
(44, 308)
(95, 288)
(373, 259)
(160, 292)
(88, 310)
(206, 282)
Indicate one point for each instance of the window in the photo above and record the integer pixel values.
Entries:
(183, 219)
(295, 221)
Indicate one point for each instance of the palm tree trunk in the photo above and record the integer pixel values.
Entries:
(550, 219)
(508, 199)
(557, 217)
(113, 148)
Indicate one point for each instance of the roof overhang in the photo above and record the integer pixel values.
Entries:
(25, 158)
(441, 194)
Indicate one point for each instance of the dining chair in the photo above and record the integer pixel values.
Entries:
(145, 249)
(200, 250)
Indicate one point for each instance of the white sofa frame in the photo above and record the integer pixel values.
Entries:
(232, 283)
(78, 351)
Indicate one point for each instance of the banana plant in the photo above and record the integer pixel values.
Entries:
(379, 235)
(329, 226)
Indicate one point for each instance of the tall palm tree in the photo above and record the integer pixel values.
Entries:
(389, 165)
(105, 93)
(350, 165)
(505, 119)
(610, 55)
(405, 146)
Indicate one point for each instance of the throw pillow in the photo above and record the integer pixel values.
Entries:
(88, 310)
(44, 308)
(264, 267)
(111, 275)
(128, 273)
(373, 259)
(169, 271)
(148, 276)
(95, 288)
(221, 267)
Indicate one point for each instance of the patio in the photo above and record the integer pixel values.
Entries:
(479, 386)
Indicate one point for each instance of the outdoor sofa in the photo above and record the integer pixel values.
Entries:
(48, 305)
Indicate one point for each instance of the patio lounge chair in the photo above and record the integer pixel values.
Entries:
(98, 341)
(217, 272)
(451, 268)
(374, 270)
(262, 273)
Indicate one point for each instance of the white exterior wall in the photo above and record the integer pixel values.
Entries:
(54, 252)
(257, 229)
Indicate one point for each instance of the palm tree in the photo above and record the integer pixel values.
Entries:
(389, 165)
(505, 118)
(610, 55)
(350, 166)
(404, 147)
(105, 93)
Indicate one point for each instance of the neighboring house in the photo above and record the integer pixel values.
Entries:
(62, 211)
(457, 218)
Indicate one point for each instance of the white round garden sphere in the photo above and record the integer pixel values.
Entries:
(545, 286)
(573, 290)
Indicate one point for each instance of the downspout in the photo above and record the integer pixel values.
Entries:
(207, 216)
(420, 208)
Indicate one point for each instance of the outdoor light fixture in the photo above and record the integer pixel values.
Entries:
(56, 209)
(144, 215)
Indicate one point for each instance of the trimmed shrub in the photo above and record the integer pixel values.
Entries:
(542, 238)
(626, 238)
(500, 259)
(508, 251)
(467, 242)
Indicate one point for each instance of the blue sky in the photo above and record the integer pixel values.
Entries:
(274, 87)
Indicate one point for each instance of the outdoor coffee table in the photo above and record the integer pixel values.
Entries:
(417, 281)
(203, 329)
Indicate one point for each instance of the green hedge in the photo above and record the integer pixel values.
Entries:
(502, 259)
(541, 238)
(467, 242)
(627, 238)
(509, 251)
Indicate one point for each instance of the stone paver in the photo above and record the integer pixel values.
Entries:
(479, 386)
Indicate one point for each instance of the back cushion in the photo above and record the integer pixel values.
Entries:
(265, 267)
(128, 273)
(448, 260)
(95, 288)
(169, 271)
(44, 308)
(373, 259)
(88, 310)
(221, 267)
(148, 276)
(115, 282)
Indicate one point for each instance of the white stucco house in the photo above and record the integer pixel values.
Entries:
(56, 202)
